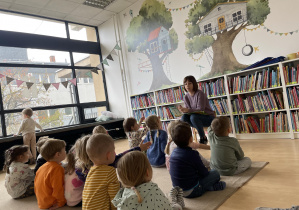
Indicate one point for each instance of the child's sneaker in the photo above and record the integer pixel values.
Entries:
(176, 195)
(180, 198)
(173, 195)
(218, 186)
(176, 206)
(203, 140)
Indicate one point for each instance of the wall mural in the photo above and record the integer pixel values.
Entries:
(150, 33)
(216, 24)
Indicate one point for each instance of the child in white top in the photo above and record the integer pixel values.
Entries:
(171, 146)
(19, 177)
(27, 129)
(133, 132)
(135, 174)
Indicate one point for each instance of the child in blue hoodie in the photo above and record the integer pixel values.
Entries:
(158, 138)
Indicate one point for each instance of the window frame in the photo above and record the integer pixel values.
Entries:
(25, 40)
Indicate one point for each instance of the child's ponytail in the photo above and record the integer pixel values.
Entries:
(12, 154)
(166, 151)
(71, 161)
(138, 194)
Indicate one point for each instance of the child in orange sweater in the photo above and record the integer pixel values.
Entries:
(49, 180)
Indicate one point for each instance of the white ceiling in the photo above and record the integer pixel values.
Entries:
(69, 10)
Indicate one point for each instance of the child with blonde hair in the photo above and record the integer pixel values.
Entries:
(158, 138)
(135, 174)
(19, 177)
(133, 131)
(40, 160)
(99, 129)
(101, 184)
(49, 179)
(27, 129)
(227, 156)
(171, 146)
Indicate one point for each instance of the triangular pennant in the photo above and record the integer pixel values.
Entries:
(271, 32)
(88, 74)
(74, 81)
(280, 34)
(94, 70)
(268, 30)
(169, 10)
(291, 33)
(105, 62)
(56, 85)
(65, 83)
(180, 8)
(9, 80)
(276, 33)
(110, 57)
(265, 27)
(1, 75)
(117, 47)
(29, 84)
(286, 34)
(113, 52)
(184, 7)
(19, 82)
(173, 9)
(296, 31)
(100, 67)
(46, 85)
(191, 4)
(176, 9)
(187, 6)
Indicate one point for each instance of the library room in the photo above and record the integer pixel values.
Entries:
(86, 86)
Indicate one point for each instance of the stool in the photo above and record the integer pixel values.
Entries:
(194, 133)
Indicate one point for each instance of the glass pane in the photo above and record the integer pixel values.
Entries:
(83, 33)
(32, 25)
(46, 118)
(94, 112)
(16, 95)
(34, 56)
(90, 86)
(83, 59)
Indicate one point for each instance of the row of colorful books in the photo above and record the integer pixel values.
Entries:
(272, 122)
(293, 96)
(295, 120)
(144, 113)
(171, 95)
(219, 106)
(291, 74)
(263, 101)
(257, 81)
(143, 101)
(169, 112)
(165, 125)
(213, 89)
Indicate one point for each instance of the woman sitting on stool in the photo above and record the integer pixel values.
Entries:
(197, 110)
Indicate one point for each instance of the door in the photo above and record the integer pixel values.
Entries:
(221, 23)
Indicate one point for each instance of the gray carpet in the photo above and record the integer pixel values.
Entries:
(210, 200)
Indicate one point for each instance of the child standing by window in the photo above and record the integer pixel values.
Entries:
(186, 168)
(227, 156)
(27, 129)
(171, 146)
(133, 132)
(19, 177)
(158, 137)
(135, 174)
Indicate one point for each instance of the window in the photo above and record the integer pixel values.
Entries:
(237, 16)
(207, 28)
(83, 33)
(83, 59)
(90, 113)
(154, 47)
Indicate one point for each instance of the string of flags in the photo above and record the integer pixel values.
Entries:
(180, 8)
(196, 59)
(65, 83)
(273, 32)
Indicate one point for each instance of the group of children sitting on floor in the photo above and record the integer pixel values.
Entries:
(89, 178)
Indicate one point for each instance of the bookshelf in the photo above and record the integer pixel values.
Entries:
(261, 102)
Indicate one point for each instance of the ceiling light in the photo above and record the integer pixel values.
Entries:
(102, 4)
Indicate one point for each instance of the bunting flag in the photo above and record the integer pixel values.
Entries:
(271, 31)
(1, 76)
(88, 74)
(113, 52)
(100, 67)
(94, 70)
(74, 81)
(9, 80)
(19, 82)
(117, 47)
(110, 57)
(196, 59)
(180, 8)
(105, 62)
(56, 85)
(46, 86)
(65, 83)
(29, 84)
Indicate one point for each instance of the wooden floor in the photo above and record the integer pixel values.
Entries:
(276, 185)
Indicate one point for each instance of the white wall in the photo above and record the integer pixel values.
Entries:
(114, 82)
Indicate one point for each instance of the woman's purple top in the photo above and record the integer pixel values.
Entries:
(198, 103)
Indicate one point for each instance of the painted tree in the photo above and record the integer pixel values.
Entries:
(152, 15)
(221, 43)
